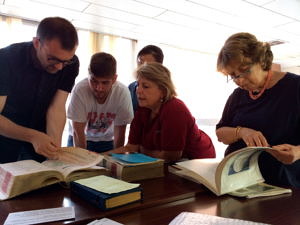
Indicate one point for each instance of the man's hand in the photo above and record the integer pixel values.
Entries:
(45, 145)
(285, 153)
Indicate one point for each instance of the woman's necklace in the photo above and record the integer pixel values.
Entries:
(256, 96)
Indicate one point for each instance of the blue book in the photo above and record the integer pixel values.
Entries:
(134, 158)
(106, 201)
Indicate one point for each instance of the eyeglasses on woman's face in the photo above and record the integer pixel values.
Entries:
(244, 74)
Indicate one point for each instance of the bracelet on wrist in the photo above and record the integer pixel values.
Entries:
(237, 132)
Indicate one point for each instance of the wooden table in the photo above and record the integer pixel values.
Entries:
(164, 199)
(276, 210)
(156, 192)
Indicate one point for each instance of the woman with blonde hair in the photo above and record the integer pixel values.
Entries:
(163, 127)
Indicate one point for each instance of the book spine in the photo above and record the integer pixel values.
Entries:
(115, 169)
(88, 195)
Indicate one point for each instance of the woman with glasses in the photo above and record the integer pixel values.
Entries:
(263, 111)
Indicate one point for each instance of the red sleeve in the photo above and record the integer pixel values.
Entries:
(176, 121)
(136, 128)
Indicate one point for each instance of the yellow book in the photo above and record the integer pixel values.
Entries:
(107, 192)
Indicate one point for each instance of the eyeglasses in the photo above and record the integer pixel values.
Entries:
(54, 61)
(238, 76)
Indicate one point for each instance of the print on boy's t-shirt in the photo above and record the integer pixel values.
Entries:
(99, 123)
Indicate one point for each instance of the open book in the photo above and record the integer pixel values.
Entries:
(237, 174)
(26, 175)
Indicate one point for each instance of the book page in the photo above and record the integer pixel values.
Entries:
(104, 221)
(23, 167)
(106, 184)
(40, 216)
(189, 218)
(11, 173)
(239, 169)
(259, 190)
(71, 159)
(205, 168)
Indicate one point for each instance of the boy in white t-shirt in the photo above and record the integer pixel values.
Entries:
(100, 107)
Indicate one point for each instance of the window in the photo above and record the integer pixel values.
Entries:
(203, 90)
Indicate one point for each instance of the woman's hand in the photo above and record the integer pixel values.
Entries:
(229, 135)
(122, 150)
(168, 156)
(252, 137)
(285, 153)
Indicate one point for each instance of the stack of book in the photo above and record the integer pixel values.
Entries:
(133, 166)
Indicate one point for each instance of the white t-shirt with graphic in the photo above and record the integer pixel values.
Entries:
(100, 118)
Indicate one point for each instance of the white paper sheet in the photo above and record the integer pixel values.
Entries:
(104, 221)
(188, 218)
(40, 216)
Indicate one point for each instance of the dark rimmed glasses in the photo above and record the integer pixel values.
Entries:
(54, 61)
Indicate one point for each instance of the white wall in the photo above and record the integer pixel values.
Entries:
(194, 74)
(295, 69)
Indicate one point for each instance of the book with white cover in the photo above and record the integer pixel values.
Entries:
(237, 174)
(26, 175)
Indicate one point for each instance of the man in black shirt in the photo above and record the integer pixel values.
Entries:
(35, 80)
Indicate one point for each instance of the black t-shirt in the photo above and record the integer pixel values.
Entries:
(29, 90)
(277, 115)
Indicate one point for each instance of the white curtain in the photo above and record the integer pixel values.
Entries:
(15, 30)
(122, 49)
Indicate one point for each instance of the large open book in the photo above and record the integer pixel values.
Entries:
(237, 174)
(26, 175)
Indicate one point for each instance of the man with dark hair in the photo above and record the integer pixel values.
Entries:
(66, 32)
(149, 53)
(100, 107)
(35, 79)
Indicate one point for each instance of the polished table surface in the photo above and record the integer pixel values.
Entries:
(163, 199)
(155, 192)
(278, 210)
